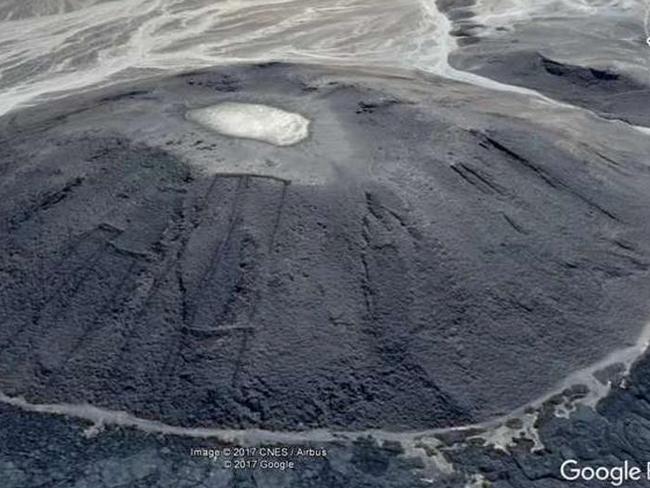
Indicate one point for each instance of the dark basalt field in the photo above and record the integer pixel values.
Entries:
(618, 430)
(604, 91)
(402, 268)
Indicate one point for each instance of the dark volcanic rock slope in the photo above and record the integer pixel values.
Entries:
(610, 93)
(397, 269)
(605, 72)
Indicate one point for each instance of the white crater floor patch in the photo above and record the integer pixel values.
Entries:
(253, 121)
